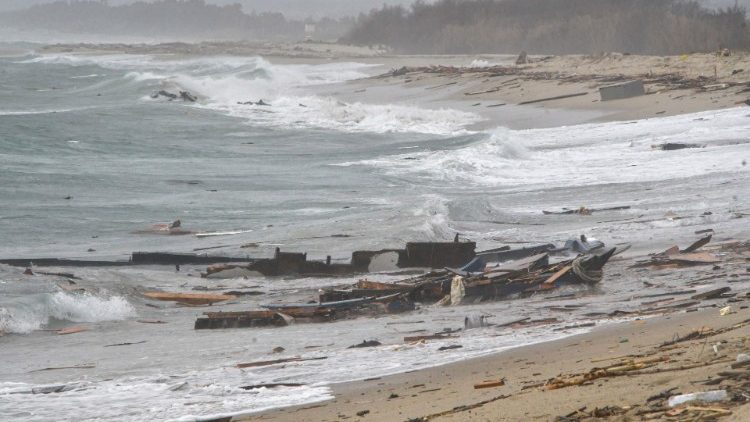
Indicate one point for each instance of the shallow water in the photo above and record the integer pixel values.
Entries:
(294, 174)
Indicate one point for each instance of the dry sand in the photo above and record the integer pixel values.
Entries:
(718, 82)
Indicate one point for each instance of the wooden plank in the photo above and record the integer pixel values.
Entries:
(56, 368)
(697, 245)
(489, 384)
(72, 330)
(550, 282)
(189, 298)
(430, 337)
(276, 361)
(711, 294)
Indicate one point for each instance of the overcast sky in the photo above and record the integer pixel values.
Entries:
(299, 9)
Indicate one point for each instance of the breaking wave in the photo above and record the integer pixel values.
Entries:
(584, 155)
(34, 312)
(187, 397)
(232, 85)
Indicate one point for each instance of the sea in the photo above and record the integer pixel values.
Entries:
(90, 161)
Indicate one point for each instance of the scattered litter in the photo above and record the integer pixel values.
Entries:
(706, 397)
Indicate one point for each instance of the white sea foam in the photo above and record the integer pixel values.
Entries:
(33, 312)
(435, 214)
(203, 394)
(187, 397)
(35, 112)
(585, 154)
(93, 75)
(222, 82)
(479, 63)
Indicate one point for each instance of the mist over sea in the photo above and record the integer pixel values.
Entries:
(88, 157)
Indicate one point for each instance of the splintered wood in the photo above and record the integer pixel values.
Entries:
(618, 369)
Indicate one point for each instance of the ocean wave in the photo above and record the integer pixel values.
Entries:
(585, 154)
(436, 218)
(328, 113)
(33, 312)
(192, 396)
(93, 75)
(230, 85)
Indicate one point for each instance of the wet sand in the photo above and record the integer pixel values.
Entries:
(717, 83)
(447, 393)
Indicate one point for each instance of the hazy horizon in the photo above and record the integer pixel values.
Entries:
(296, 9)
(293, 9)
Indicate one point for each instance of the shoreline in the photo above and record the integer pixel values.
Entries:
(564, 90)
(447, 393)
(492, 85)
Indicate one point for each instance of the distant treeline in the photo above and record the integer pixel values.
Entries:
(553, 27)
(185, 19)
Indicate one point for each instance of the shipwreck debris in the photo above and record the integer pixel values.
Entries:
(188, 298)
(676, 258)
(277, 361)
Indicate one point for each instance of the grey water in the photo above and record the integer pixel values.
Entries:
(88, 159)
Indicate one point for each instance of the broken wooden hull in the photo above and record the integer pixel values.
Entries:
(249, 319)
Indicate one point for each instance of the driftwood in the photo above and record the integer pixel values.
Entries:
(429, 337)
(271, 385)
(276, 361)
(55, 368)
(188, 298)
(697, 245)
(621, 368)
(457, 409)
(72, 330)
(489, 384)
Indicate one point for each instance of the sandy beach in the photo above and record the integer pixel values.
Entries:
(448, 393)
(491, 85)
(633, 360)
